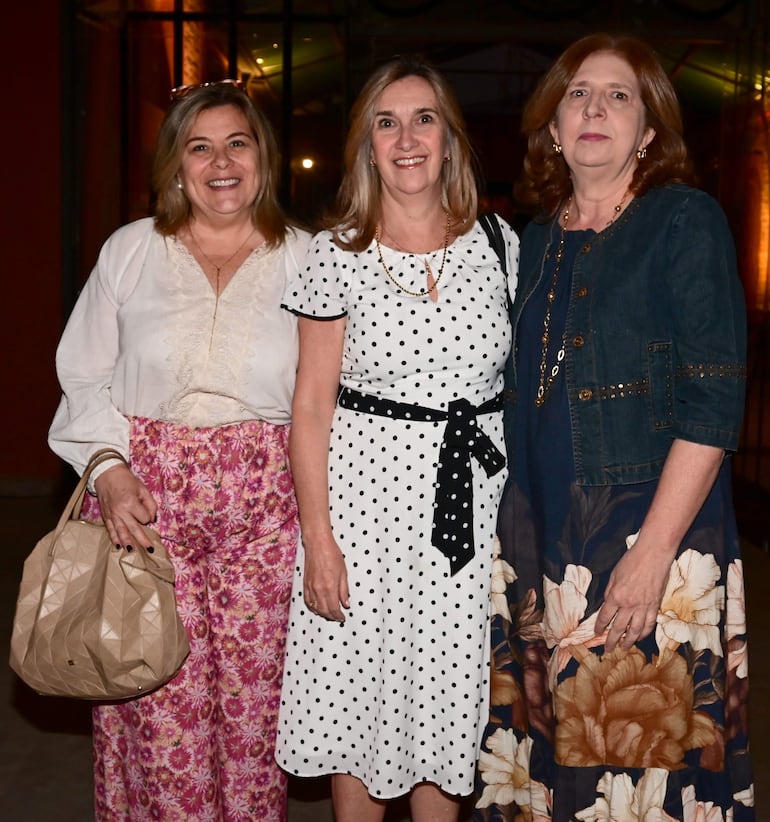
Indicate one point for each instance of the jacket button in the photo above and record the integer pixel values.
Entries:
(583, 291)
(578, 341)
(586, 248)
(585, 394)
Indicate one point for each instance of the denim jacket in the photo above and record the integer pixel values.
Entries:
(655, 337)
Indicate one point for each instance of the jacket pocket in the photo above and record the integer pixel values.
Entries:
(661, 375)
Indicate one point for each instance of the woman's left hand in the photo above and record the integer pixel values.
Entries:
(633, 595)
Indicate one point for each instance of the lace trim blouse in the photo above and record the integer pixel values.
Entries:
(143, 340)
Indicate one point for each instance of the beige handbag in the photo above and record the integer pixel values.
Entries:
(93, 621)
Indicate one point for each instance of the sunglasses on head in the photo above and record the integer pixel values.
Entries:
(179, 92)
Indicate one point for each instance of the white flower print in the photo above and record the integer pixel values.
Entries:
(745, 797)
(737, 657)
(505, 773)
(695, 811)
(565, 607)
(736, 605)
(620, 801)
(502, 576)
(691, 606)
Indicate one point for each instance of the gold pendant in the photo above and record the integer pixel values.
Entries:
(432, 290)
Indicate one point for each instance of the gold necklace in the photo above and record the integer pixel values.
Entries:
(545, 383)
(432, 281)
(218, 270)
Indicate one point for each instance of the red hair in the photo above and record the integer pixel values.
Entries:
(545, 182)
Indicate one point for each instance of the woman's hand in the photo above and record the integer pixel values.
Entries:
(126, 505)
(638, 581)
(633, 595)
(326, 580)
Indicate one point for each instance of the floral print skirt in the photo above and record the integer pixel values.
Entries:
(574, 733)
(200, 749)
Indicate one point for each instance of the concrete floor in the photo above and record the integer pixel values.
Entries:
(45, 745)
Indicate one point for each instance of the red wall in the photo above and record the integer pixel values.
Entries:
(30, 244)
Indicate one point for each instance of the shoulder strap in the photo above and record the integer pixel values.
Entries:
(495, 236)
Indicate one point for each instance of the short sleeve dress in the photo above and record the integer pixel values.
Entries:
(394, 695)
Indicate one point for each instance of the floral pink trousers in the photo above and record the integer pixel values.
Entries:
(200, 749)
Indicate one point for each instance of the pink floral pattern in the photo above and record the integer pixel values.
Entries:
(200, 749)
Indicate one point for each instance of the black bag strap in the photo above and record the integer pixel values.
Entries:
(495, 236)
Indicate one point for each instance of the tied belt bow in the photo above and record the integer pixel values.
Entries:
(452, 530)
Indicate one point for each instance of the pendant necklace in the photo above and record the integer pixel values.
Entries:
(433, 281)
(218, 271)
(544, 385)
(546, 382)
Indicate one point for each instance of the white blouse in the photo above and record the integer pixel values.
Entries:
(148, 338)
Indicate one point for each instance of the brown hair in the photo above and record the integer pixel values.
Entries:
(172, 208)
(545, 182)
(358, 201)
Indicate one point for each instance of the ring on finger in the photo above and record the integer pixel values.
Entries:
(312, 604)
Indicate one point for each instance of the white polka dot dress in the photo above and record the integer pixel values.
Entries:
(394, 695)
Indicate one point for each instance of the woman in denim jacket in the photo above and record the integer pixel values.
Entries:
(619, 681)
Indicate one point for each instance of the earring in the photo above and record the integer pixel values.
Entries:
(556, 147)
(371, 162)
(642, 153)
(179, 185)
(447, 158)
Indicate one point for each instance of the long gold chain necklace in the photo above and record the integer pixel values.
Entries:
(546, 382)
(218, 271)
(433, 282)
(544, 385)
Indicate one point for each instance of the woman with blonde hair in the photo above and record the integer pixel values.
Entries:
(396, 453)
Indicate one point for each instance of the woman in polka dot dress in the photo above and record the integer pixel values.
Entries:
(397, 457)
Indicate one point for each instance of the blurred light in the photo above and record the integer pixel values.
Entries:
(763, 246)
(307, 162)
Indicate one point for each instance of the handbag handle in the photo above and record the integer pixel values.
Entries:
(73, 507)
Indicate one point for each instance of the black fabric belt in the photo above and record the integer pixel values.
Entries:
(453, 506)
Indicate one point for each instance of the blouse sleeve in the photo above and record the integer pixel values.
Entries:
(709, 316)
(87, 419)
(321, 289)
